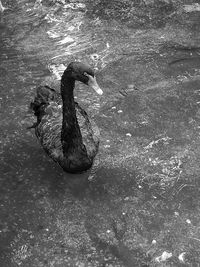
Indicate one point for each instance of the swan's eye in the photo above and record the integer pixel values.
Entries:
(86, 74)
(89, 76)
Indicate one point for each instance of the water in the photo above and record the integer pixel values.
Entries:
(144, 185)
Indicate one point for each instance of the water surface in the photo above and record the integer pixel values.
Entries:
(141, 198)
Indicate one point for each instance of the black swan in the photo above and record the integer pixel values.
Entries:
(62, 126)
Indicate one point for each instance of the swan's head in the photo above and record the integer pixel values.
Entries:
(83, 73)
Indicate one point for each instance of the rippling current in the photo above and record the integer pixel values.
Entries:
(140, 201)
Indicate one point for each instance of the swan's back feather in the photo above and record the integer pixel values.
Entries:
(48, 131)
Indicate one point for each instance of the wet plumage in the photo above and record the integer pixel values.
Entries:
(63, 127)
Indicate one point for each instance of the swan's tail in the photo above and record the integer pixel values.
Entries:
(44, 95)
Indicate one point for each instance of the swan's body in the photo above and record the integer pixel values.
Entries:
(63, 127)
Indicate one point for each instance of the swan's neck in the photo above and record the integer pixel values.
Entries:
(71, 135)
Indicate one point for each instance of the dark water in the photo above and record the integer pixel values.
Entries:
(141, 199)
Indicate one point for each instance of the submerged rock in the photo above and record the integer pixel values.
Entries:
(165, 256)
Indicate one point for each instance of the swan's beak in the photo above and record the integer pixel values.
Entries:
(94, 85)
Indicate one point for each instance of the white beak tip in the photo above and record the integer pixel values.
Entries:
(99, 91)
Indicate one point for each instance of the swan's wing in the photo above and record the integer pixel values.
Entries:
(44, 96)
(89, 131)
(49, 131)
